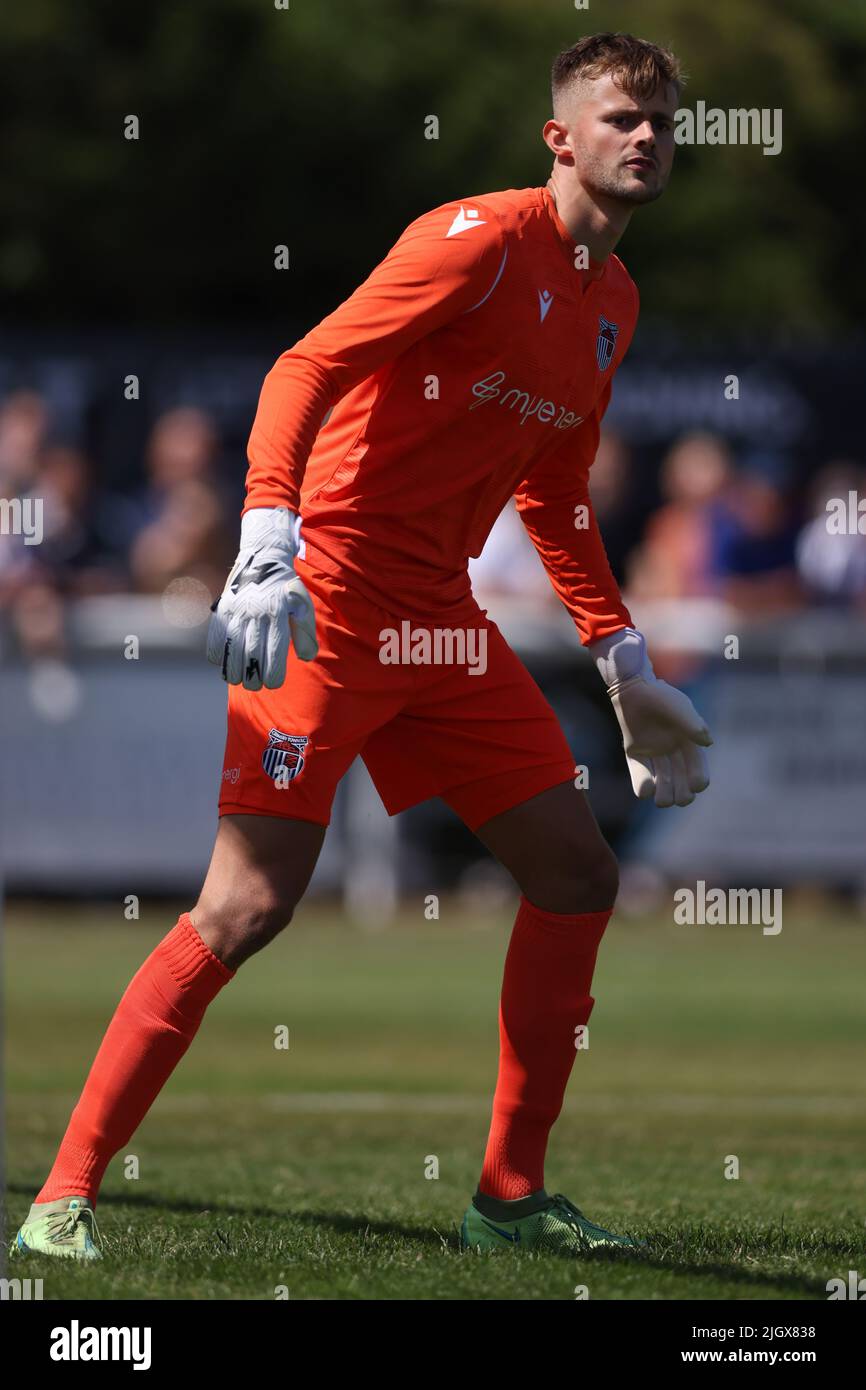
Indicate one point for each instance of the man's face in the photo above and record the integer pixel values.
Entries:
(623, 147)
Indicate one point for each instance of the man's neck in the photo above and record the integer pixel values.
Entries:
(592, 220)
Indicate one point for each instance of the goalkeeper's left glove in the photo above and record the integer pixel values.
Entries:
(663, 734)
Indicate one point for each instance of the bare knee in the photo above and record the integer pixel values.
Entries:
(574, 878)
(235, 926)
(258, 873)
(601, 880)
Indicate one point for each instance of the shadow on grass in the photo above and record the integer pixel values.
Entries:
(428, 1235)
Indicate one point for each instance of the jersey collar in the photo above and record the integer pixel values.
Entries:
(596, 268)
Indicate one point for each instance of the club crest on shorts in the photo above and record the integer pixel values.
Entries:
(283, 758)
(605, 343)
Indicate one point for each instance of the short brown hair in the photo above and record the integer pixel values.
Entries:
(639, 66)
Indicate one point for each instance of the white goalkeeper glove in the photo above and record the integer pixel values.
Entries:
(264, 605)
(663, 734)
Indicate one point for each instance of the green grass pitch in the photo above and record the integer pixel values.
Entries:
(306, 1168)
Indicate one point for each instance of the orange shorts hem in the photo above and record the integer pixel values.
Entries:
(477, 802)
(232, 808)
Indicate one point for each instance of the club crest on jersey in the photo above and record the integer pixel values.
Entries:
(283, 757)
(605, 343)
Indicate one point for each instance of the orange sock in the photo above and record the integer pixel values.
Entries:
(545, 995)
(154, 1024)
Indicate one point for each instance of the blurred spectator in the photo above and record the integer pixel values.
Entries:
(179, 525)
(832, 564)
(190, 537)
(68, 559)
(23, 425)
(74, 551)
(23, 428)
(185, 527)
(182, 448)
(756, 557)
(721, 531)
(679, 556)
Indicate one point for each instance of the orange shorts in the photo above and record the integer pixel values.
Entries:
(466, 723)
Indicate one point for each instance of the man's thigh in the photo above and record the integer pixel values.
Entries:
(482, 742)
(552, 846)
(258, 873)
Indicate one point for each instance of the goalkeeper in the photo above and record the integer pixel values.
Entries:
(474, 364)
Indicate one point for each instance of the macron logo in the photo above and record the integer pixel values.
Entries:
(466, 219)
(545, 299)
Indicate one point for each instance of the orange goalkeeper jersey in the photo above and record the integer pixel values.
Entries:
(474, 364)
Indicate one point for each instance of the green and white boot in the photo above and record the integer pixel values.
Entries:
(65, 1228)
(536, 1222)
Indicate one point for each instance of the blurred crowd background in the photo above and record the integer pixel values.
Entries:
(153, 258)
(735, 523)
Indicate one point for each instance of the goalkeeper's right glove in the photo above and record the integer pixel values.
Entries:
(264, 605)
(663, 734)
